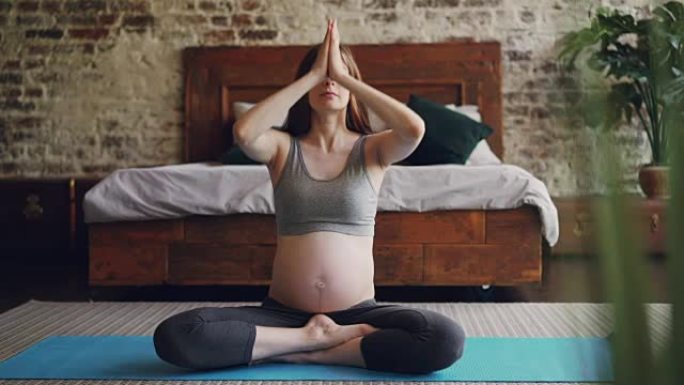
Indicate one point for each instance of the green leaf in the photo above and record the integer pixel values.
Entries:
(622, 61)
(675, 41)
(664, 13)
(621, 99)
(644, 26)
(574, 43)
(619, 24)
(676, 9)
(592, 109)
(673, 92)
(596, 63)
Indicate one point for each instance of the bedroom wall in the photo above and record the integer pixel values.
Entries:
(89, 86)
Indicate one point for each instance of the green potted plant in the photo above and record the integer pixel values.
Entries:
(637, 358)
(644, 62)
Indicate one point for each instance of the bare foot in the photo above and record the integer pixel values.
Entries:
(324, 332)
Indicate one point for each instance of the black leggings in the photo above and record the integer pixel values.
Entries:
(410, 340)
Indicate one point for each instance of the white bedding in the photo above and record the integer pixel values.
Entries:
(210, 188)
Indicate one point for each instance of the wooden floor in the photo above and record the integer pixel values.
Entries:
(565, 279)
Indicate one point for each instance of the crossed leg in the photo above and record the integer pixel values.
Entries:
(396, 338)
(404, 339)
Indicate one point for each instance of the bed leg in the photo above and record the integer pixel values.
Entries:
(482, 293)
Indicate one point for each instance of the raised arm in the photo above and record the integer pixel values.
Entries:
(253, 132)
(269, 112)
(406, 127)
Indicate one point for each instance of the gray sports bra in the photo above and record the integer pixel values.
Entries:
(345, 204)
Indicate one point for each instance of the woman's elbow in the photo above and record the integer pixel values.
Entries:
(418, 128)
(238, 133)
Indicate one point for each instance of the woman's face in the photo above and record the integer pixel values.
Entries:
(321, 100)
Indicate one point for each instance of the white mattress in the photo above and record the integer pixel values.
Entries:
(211, 188)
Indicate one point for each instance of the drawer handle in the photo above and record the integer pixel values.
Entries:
(580, 219)
(655, 220)
(33, 210)
(578, 230)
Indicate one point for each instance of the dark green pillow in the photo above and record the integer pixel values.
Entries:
(235, 155)
(450, 137)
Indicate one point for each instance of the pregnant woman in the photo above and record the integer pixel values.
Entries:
(326, 168)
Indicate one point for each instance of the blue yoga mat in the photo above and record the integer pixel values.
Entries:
(484, 359)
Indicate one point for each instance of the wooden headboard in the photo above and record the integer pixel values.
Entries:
(460, 72)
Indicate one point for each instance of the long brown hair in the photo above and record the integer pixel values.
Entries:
(299, 116)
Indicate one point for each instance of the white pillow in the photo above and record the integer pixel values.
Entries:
(241, 107)
(482, 155)
(469, 110)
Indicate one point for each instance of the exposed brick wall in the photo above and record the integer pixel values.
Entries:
(89, 86)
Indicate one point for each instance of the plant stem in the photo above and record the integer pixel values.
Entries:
(651, 132)
(663, 135)
(653, 117)
(653, 113)
(643, 123)
(665, 142)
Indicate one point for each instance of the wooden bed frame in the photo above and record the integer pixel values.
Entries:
(450, 247)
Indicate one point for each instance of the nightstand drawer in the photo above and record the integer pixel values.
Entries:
(652, 215)
(579, 227)
(35, 217)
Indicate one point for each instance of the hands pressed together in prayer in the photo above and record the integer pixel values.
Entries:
(329, 59)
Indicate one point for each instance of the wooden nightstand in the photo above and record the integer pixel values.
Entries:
(577, 224)
(35, 221)
(41, 221)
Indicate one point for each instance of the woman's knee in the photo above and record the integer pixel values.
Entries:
(444, 344)
(448, 340)
(170, 341)
(187, 340)
(428, 341)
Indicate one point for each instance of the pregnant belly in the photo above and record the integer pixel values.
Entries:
(322, 272)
